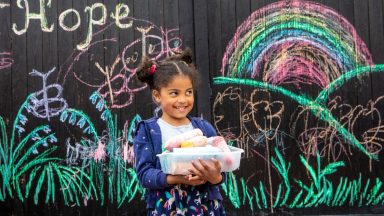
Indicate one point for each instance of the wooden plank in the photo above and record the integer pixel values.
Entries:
(111, 55)
(34, 52)
(331, 3)
(347, 10)
(142, 102)
(255, 5)
(228, 30)
(154, 18)
(363, 86)
(49, 60)
(228, 22)
(66, 48)
(81, 69)
(171, 14)
(361, 18)
(375, 9)
(19, 72)
(215, 48)
(95, 67)
(186, 30)
(6, 99)
(201, 50)
(19, 68)
(348, 92)
(6, 58)
(243, 10)
(126, 36)
(64, 72)
(376, 36)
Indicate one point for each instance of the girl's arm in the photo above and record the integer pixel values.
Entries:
(149, 176)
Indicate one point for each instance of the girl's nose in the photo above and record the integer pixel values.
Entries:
(181, 99)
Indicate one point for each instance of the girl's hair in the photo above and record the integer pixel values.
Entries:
(159, 74)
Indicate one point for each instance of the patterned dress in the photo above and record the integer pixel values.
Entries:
(185, 200)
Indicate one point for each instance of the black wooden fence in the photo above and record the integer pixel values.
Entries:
(296, 84)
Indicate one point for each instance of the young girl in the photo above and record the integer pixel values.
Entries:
(172, 83)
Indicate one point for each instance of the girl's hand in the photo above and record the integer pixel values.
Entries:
(194, 180)
(207, 170)
(187, 180)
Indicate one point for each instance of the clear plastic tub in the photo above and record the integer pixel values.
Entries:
(178, 162)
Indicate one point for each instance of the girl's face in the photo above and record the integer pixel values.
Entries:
(176, 100)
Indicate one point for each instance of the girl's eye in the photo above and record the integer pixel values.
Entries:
(173, 93)
(189, 93)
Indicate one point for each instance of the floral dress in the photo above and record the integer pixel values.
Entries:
(185, 200)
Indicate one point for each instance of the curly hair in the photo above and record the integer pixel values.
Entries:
(158, 74)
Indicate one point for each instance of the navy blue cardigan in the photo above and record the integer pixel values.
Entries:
(147, 144)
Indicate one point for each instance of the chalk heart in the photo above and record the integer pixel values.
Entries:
(262, 114)
(366, 124)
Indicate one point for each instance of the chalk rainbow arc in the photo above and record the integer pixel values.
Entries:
(294, 42)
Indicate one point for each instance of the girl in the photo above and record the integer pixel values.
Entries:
(172, 83)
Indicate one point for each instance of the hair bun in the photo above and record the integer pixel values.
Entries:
(186, 56)
(144, 71)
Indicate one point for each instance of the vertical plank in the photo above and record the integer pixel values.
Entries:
(331, 3)
(349, 92)
(126, 36)
(142, 100)
(363, 87)
(6, 59)
(376, 37)
(215, 46)
(171, 14)
(19, 50)
(49, 59)
(255, 5)
(19, 70)
(66, 47)
(111, 50)
(228, 22)
(376, 30)
(96, 56)
(64, 74)
(81, 65)
(34, 52)
(214, 30)
(347, 10)
(201, 48)
(185, 13)
(228, 30)
(243, 9)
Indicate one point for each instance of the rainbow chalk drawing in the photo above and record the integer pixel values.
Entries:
(282, 49)
(298, 43)
(292, 42)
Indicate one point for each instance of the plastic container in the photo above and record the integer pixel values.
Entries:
(179, 161)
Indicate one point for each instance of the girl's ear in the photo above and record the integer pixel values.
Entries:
(156, 96)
